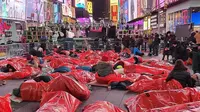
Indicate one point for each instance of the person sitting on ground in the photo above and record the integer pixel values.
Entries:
(181, 74)
(72, 54)
(136, 51)
(6, 69)
(117, 48)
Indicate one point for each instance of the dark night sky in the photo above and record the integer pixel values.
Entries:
(100, 8)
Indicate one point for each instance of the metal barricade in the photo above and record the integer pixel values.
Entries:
(18, 49)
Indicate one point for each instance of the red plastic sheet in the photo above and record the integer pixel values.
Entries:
(110, 78)
(32, 91)
(156, 84)
(163, 98)
(102, 106)
(159, 64)
(58, 102)
(83, 76)
(134, 77)
(146, 69)
(5, 104)
(186, 107)
(71, 85)
(20, 74)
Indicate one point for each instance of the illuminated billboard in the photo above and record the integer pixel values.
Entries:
(132, 9)
(114, 13)
(113, 2)
(80, 3)
(89, 7)
(13, 9)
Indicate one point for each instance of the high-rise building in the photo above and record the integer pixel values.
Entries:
(101, 9)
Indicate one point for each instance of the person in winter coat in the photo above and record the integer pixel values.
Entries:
(166, 51)
(192, 38)
(181, 74)
(156, 43)
(197, 37)
(196, 60)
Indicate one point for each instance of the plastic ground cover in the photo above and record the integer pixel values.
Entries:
(32, 91)
(102, 106)
(110, 78)
(186, 107)
(58, 102)
(159, 64)
(156, 84)
(138, 68)
(5, 104)
(162, 98)
(83, 76)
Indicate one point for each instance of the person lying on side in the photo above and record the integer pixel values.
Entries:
(181, 74)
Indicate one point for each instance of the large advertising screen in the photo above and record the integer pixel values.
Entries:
(67, 8)
(33, 9)
(13, 9)
(80, 3)
(132, 9)
(89, 7)
(113, 2)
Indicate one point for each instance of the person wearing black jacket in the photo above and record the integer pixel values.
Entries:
(180, 73)
(156, 43)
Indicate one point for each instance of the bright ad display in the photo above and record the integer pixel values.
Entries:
(33, 9)
(56, 13)
(67, 8)
(132, 9)
(124, 11)
(113, 2)
(114, 13)
(13, 9)
(89, 7)
(80, 3)
(195, 18)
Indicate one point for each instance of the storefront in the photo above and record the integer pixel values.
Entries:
(13, 13)
(180, 14)
(147, 25)
(158, 25)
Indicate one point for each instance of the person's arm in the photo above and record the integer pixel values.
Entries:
(190, 83)
(170, 77)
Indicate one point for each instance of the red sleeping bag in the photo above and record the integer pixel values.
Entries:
(20, 74)
(186, 107)
(156, 84)
(162, 98)
(83, 76)
(146, 69)
(159, 64)
(110, 78)
(32, 91)
(58, 102)
(5, 104)
(102, 106)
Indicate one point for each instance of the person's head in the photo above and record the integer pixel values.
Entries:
(10, 68)
(168, 33)
(179, 65)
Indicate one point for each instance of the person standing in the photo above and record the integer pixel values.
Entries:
(156, 43)
(150, 44)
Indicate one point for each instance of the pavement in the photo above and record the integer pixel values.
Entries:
(117, 97)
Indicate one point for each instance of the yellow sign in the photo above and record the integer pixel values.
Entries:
(113, 2)
(89, 7)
